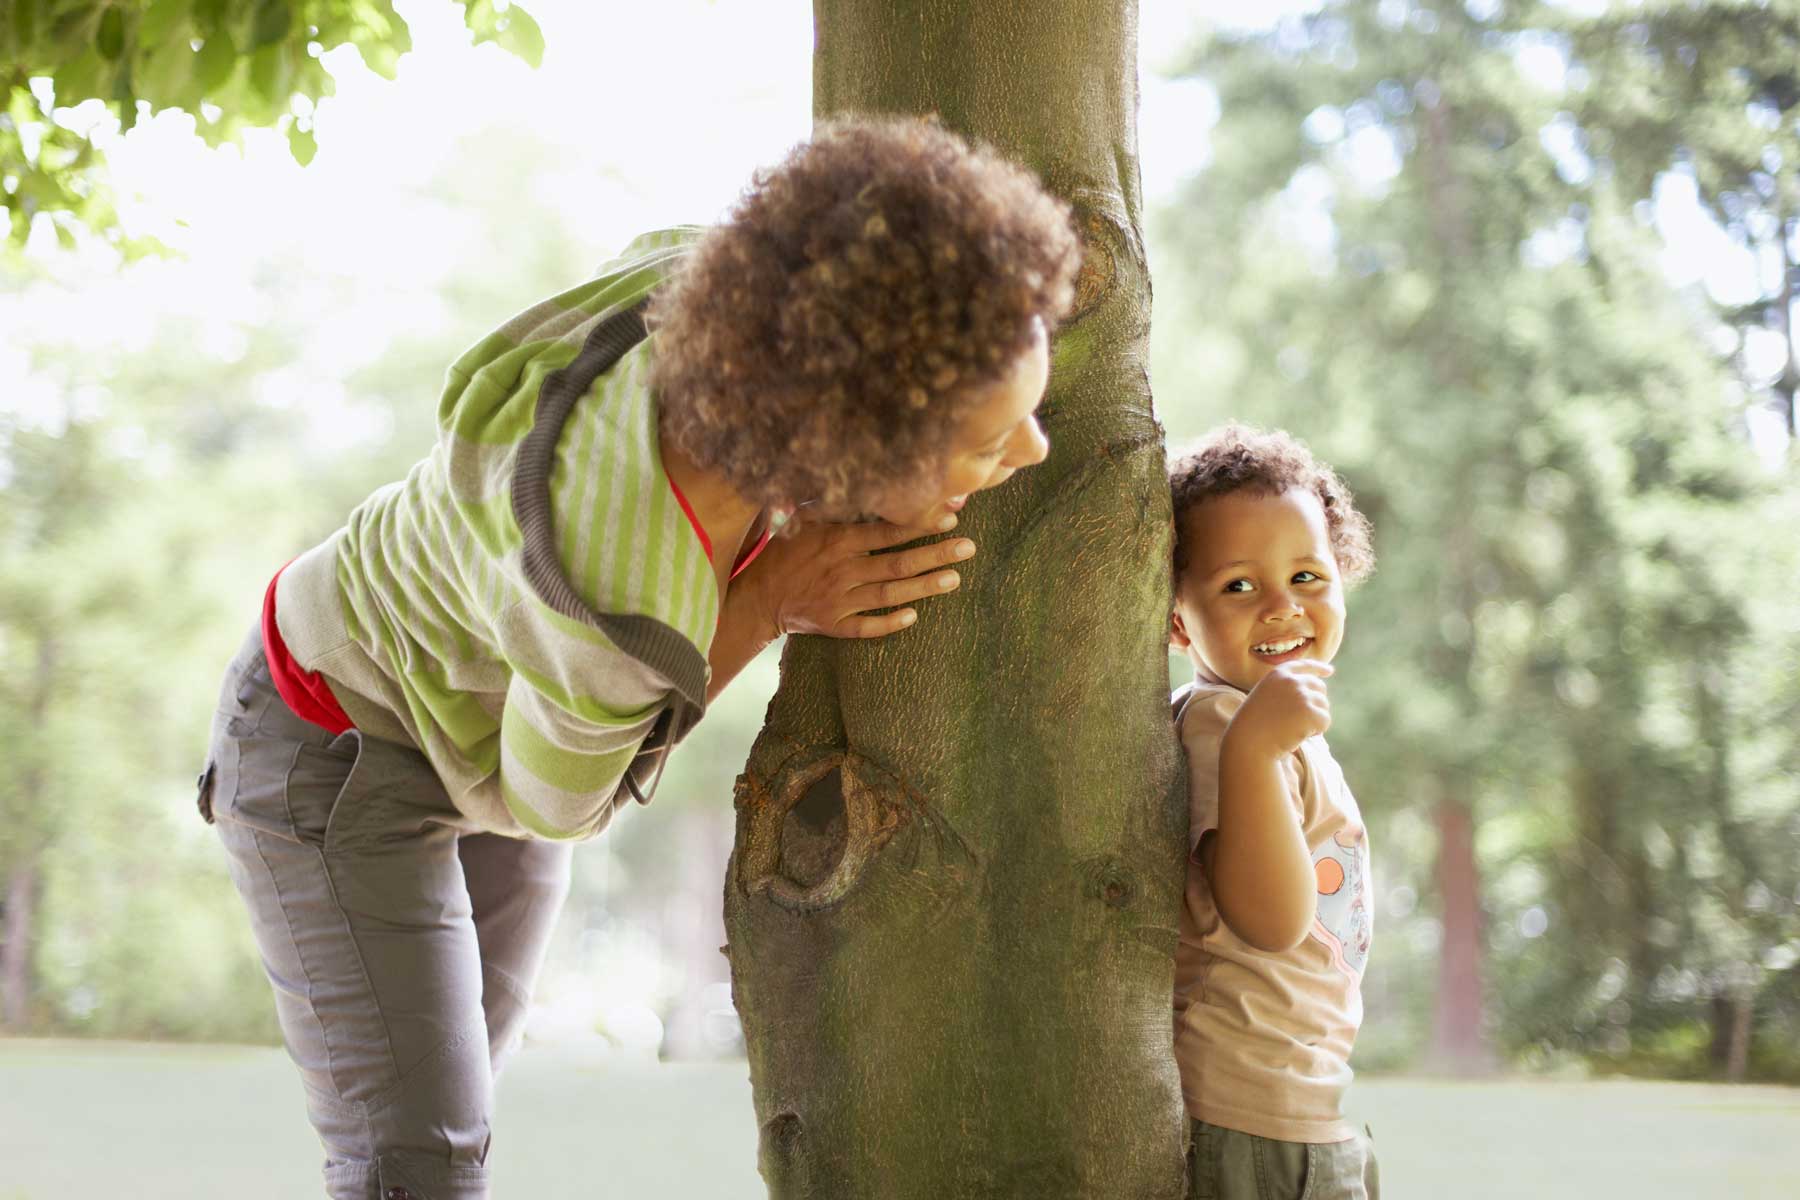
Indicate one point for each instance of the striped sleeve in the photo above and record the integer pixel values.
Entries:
(560, 770)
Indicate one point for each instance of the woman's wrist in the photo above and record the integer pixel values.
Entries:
(753, 605)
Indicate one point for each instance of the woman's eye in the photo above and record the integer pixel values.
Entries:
(1238, 585)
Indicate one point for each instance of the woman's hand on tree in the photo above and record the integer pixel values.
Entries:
(827, 578)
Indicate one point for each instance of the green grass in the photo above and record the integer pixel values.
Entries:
(86, 1120)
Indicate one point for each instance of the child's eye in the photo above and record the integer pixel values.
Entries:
(1238, 585)
(1306, 577)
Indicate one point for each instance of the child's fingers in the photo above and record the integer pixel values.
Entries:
(1309, 666)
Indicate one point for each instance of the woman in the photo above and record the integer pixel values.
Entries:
(493, 653)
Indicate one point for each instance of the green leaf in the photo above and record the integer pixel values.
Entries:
(514, 30)
(167, 71)
(69, 22)
(77, 79)
(25, 15)
(125, 93)
(109, 39)
(270, 72)
(215, 62)
(520, 34)
(160, 19)
(210, 15)
(273, 20)
(63, 235)
(302, 144)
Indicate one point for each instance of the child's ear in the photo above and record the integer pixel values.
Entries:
(1178, 634)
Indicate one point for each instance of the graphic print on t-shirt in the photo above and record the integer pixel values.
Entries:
(1344, 921)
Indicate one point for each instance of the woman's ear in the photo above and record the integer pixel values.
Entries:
(1178, 634)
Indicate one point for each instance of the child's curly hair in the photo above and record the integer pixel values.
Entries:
(821, 344)
(1237, 458)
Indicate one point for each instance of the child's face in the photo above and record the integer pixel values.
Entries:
(1261, 586)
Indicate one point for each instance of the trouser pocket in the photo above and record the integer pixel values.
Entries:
(267, 768)
(203, 784)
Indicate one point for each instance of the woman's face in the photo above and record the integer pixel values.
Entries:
(997, 435)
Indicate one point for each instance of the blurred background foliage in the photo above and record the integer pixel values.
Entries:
(1440, 241)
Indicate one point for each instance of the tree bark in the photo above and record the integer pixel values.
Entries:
(1737, 1056)
(952, 904)
(23, 863)
(1457, 1044)
(15, 948)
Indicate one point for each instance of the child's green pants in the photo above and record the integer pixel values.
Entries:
(1224, 1164)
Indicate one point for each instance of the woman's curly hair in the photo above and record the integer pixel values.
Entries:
(821, 344)
(1237, 458)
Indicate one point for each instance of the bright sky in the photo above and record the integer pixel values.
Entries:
(658, 113)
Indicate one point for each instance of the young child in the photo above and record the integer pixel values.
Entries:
(1275, 928)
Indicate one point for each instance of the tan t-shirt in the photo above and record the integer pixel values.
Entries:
(1263, 1040)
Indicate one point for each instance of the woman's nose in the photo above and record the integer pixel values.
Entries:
(1029, 446)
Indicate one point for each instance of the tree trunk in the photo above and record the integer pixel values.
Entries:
(1732, 1011)
(1737, 1057)
(1457, 1043)
(953, 898)
(15, 946)
(24, 862)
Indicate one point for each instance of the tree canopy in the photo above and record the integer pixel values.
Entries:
(229, 65)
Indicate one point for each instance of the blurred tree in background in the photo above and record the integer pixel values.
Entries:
(1569, 690)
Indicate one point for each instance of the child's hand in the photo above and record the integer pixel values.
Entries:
(1285, 708)
(826, 577)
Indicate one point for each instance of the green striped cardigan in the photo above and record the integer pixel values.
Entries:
(530, 602)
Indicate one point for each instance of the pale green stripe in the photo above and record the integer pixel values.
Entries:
(562, 768)
(653, 535)
(422, 580)
(347, 593)
(446, 557)
(527, 816)
(500, 401)
(458, 717)
(629, 462)
(495, 345)
(386, 591)
(492, 521)
(592, 637)
(361, 590)
(592, 709)
(685, 551)
(704, 588)
(566, 485)
(601, 466)
(610, 501)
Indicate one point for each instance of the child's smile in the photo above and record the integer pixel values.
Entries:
(1261, 586)
(1283, 650)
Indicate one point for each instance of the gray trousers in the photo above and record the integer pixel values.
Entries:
(402, 946)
